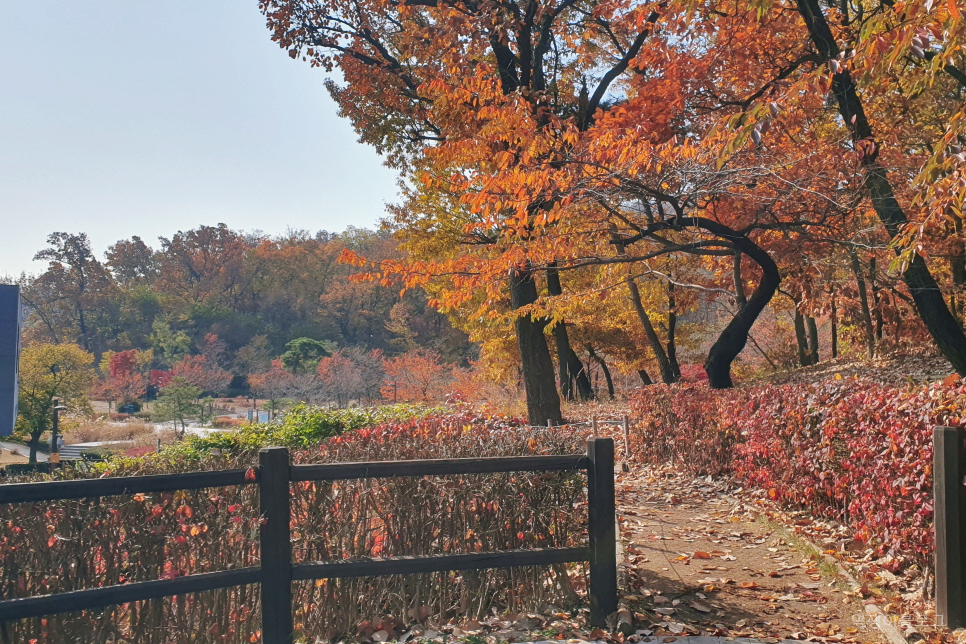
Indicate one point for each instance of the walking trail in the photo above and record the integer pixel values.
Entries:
(700, 560)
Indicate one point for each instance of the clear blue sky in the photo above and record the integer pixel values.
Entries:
(121, 118)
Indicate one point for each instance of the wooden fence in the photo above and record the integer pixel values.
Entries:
(949, 498)
(277, 572)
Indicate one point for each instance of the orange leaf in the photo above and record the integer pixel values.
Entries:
(749, 584)
(953, 9)
(700, 554)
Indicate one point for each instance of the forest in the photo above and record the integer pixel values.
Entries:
(639, 177)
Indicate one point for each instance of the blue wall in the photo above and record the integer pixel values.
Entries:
(9, 355)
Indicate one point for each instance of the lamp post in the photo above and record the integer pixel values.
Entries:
(54, 439)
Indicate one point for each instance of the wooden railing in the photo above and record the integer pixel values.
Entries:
(277, 572)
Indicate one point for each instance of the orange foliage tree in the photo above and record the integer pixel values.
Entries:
(415, 376)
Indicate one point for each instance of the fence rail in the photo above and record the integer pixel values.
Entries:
(277, 572)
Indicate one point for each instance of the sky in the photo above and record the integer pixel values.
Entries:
(121, 118)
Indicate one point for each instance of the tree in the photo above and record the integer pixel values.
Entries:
(254, 357)
(178, 402)
(274, 385)
(416, 376)
(303, 354)
(196, 371)
(123, 382)
(73, 292)
(47, 372)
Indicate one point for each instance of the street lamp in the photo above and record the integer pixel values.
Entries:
(54, 442)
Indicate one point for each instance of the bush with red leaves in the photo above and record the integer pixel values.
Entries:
(850, 450)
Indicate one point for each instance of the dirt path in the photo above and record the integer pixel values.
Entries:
(699, 563)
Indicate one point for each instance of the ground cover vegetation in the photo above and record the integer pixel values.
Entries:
(851, 450)
(88, 543)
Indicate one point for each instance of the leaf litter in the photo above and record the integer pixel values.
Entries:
(698, 545)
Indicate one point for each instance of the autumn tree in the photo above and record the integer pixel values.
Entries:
(123, 383)
(416, 376)
(49, 372)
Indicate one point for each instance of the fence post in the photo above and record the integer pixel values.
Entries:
(950, 509)
(276, 545)
(602, 530)
(627, 438)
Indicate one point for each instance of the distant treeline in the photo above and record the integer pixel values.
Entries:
(253, 291)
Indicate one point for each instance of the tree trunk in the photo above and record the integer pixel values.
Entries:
(735, 336)
(572, 372)
(812, 339)
(663, 363)
(942, 325)
(603, 367)
(543, 403)
(877, 301)
(740, 298)
(835, 324)
(800, 338)
(672, 323)
(660, 355)
(34, 444)
(864, 301)
(646, 379)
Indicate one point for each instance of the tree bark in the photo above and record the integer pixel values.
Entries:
(800, 338)
(543, 403)
(740, 297)
(573, 375)
(877, 300)
(864, 302)
(646, 379)
(672, 324)
(835, 324)
(34, 444)
(930, 304)
(812, 339)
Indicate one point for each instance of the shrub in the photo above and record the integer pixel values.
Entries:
(849, 450)
(228, 422)
(304, 426)
(172, 534)
(116, 417)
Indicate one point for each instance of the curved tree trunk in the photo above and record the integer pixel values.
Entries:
(930, 304)
(543, 403)
(603, 367)
(735, 335)
(572, 373)
(646, 379)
